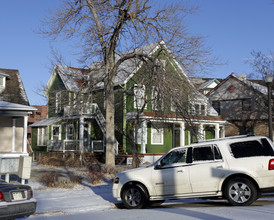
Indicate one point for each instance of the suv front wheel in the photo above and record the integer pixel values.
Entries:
(134, 196)
(240, 192)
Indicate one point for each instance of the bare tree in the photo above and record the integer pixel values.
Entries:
(108, 28)
(262, 64)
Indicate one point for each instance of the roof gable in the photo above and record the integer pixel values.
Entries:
(246, 83)
(14, 90)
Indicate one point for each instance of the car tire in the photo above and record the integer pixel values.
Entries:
(134, 196)
(240, 192)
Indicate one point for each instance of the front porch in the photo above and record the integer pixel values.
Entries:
(74, 146)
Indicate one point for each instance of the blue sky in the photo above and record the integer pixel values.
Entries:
(233, 28)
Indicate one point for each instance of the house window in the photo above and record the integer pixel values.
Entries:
(246, 105)
(217, 106)
(70, 132)
(203, 110)
(56, 132)
(157, 134)
(2, 83)
(139, 97)
(42, 136)
(58, 102)
(156, 101)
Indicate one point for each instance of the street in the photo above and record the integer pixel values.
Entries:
(83, 205)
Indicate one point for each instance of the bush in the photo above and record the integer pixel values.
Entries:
(49, 179)
(53, 180)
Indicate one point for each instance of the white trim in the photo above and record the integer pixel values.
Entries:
(13, 134)
(25, 134)
(157, 131)
(60, 131)
(141, 93)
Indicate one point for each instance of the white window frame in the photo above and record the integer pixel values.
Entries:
(68, 135)
(42, 136)
(157, 131)
(139, 96)
(58, 102)
(60, 131)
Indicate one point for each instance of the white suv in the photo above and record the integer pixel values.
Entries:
(236, 168)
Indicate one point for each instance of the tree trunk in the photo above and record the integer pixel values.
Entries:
(110, 113)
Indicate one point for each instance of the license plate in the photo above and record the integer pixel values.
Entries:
(17, 196)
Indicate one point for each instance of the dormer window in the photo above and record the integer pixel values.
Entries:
(2, 83)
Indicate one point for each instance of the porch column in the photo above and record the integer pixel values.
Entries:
(217, 131)
(143, 137)
(201, 132)
(81, 134)
(25, 150)
(182, 134)
(223, 131)
(13, 134)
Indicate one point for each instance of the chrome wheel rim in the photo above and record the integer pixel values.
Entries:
(239, 192)
(133, 197)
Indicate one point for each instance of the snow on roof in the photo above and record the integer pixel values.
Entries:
(46, 122)
(72, 77)
(14, 106)
(260, 88)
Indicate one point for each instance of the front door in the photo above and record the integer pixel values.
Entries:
(171, 177)
(176, 136)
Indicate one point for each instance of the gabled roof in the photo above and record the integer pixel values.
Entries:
(255, 86)
(14, 91)
(72, 77)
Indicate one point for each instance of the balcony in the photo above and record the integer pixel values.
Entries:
(80, 109)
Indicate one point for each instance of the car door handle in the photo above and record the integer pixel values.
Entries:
(220, 167)
(180, 171)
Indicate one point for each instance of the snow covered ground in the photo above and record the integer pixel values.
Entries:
(88, 201)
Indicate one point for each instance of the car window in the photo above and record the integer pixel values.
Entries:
(202, 153)
(217, 153)
(176, 156)
(251, 149)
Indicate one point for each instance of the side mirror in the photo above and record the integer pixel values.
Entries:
(158, 166)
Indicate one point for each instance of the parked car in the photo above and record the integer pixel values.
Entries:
(236, 168)
(16, 201)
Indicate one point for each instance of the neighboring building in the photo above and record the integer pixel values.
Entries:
(39, 114)
(14, 111)
(76, 116)
(243, 103)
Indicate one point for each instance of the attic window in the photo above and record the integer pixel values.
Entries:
(231, 88)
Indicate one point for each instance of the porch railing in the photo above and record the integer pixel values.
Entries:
(63, 145)
(80, 109)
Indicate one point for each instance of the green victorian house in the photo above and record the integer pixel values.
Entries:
(76, 111)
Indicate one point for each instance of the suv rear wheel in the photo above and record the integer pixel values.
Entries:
(134, 196)
(240, 192)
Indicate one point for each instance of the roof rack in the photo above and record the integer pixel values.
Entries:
(225, 138)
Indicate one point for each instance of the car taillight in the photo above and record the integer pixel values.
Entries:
(31, 193)
(1, 196)
(271, 164)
